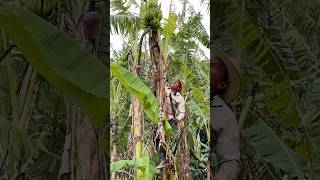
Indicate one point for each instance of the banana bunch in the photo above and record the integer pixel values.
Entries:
(43, 8)
(151, 15)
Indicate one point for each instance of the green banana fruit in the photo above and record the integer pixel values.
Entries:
(151, 15)
(43, 8)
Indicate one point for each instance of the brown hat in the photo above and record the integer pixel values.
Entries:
(233, 73)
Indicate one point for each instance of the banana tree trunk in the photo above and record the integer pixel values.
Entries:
(137, 129)
(184, 171)
(158, 82)
(86, 156)
(113, 139)
(158, 72)
(85, 150)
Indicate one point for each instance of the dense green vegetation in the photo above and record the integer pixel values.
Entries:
(277, 45)
(53, 87)
(181, 33)
(53, 91)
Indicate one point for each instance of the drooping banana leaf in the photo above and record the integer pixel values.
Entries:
(136, 87)
(3, 91)
(194, 108)
(59, 59)
(313, 93)
(268, 50)
(272, 149)
(315, 128)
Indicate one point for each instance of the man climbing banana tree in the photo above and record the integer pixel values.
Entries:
(175, 105)
(167, 97)
(150, 52)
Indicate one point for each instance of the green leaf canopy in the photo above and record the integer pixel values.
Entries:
(59, 59)
(272, 149)
(136, 87)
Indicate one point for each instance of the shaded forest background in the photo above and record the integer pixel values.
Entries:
(277, 45)
(275, 42)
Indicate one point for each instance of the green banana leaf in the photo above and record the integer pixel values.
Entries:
(117, 166)
(272, 149)
(3, 91)
(314, 129)
(194, 108)
(148, 168)
(135, 86)
(59, 59)
(270, 52)
(144, 164)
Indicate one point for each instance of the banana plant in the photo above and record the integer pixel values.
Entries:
(77, 73)
(177, 48)
(265, 45)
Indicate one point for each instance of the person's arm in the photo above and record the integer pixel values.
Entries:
(229, 151)
(181, 108)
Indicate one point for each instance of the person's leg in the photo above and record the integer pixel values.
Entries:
(176, 135)
(161, 151)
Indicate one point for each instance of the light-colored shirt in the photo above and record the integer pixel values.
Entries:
(227, 142)
(178, 104)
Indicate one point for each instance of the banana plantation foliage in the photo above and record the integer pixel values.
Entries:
(157, 49)
(53, 89)
(55, 78)
(277, 45)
